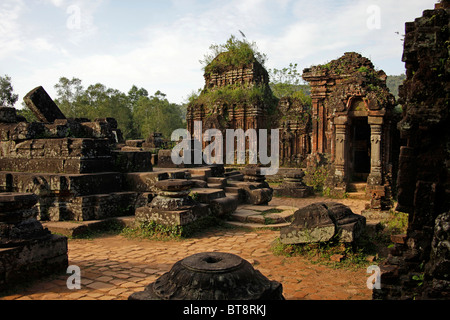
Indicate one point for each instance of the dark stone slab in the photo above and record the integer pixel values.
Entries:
(44, 108)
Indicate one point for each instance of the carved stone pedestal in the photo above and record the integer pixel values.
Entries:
(212, 276)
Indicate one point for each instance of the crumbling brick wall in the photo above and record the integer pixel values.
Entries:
(420, 268)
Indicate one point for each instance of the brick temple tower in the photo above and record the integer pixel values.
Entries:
(352, 124)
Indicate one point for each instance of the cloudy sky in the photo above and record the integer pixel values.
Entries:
(157, 44)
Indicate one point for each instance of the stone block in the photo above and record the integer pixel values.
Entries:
(134, 143)
(172, 218)
(165, 160)
(43, 107)
(21, 131)
(132, 161)
(224, 206)
(33, 260)
(207, 195)
(303, 192)
(102, 206)
(321, 222)
(143, 182)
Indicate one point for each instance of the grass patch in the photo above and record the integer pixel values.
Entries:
(355, 256)
(154, 231)
(373, 244)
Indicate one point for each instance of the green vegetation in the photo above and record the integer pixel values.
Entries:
(137, 113)
(287, 82)
(359, 254)
(235, 94)
(321, 253)
(234, 53)
(393, 83)
(317, 179)
(7, 96)
(154, 231)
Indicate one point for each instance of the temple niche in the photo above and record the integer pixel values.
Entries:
(353, 126)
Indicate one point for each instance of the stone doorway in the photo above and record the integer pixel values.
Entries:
(360, 149)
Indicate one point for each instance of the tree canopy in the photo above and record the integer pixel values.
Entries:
(137, 114)
(288, 82)
(7, 96)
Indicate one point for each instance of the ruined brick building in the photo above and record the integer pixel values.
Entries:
(239, 97)
(353, 126)
(419, 267)
(351, 122)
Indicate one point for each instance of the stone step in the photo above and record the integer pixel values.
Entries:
(215, 186)
(81, 228)
(257, 225)
(357, 187)
(232, 189)
(357, 195)
(206, 195)
(201, 171)
(263, 216)
(199, 177)
(222, 182)
(199, 183)
(235, 176)
(224, 206)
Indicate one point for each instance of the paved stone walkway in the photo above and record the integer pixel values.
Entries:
(114, 267)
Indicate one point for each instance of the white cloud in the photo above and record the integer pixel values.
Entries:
(10, 35)
(166, 56)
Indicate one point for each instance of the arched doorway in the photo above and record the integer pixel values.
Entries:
(360, 149)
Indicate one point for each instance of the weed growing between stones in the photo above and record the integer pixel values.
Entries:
(154, 231)
(369, 249)
(325, 253)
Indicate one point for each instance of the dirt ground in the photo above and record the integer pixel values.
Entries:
(113, 267)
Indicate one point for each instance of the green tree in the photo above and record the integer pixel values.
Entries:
(7, 96)
(69, 93)
(135, 94)
(157, 114)
(393, 82)
(287, 82)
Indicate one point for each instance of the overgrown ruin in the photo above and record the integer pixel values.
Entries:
(60, 169)
(353, 126)
(418, 267)
(239, 97)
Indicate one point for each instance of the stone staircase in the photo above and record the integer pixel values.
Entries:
(213, 191)
(357, 191)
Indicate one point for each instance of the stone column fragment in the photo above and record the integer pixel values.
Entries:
(44, 108)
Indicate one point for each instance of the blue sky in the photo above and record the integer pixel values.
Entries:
(158, 44)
